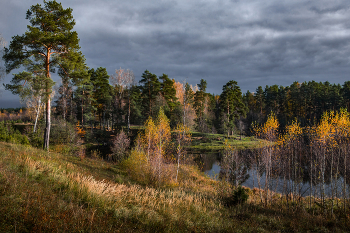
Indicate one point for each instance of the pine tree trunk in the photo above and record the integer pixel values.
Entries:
(48, 103)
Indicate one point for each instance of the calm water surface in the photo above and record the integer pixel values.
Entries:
(211, 167)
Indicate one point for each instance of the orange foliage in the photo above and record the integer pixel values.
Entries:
(80, 130)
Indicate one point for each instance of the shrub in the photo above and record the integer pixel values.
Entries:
(63, 132)
(36, 139)
(119, 145)
(100, 136)
(239, 196)
(137, 166)
(9, 134)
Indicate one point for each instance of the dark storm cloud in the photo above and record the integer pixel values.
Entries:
(252, 41)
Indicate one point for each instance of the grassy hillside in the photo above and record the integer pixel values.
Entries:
(44, 192)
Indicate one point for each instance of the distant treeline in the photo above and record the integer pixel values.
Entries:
(115, 101)
(303, 102)
(12, 110)
(126, 101)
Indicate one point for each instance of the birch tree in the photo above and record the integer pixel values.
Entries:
(183, 137)
(163, 138)
(269, 132)
(30, 89)
(122, 82)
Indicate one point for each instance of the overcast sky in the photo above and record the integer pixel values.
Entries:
(255, 42)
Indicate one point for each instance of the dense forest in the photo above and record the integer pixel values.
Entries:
(117, 100)
(122, 103)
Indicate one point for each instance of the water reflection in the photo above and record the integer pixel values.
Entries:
(214, 171)
(281, 180)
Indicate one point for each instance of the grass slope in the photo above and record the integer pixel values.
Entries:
(41, 192)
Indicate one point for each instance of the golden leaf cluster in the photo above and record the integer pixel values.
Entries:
(269, 130)
(81, 132)
(333, 128)
(293, 133)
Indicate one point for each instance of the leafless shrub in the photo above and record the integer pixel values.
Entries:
(120, 144)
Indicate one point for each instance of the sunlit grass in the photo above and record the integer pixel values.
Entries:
(149, 205)
(206, 141)
(209, 141)
(44, 192)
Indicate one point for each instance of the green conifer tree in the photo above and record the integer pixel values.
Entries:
(48, 43)
(231, 105)
(150, 88)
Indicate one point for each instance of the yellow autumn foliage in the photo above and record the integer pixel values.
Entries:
(293, 132)
(268, 130)
(146, 162)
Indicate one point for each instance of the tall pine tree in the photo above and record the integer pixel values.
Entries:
(200, 98)
(231, 105)
(102, 93)
(48, 43)
(150, 88)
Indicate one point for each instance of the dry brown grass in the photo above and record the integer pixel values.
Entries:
(49, 192)
(147, 202)
(150, 205)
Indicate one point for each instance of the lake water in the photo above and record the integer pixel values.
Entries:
(211, 166)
